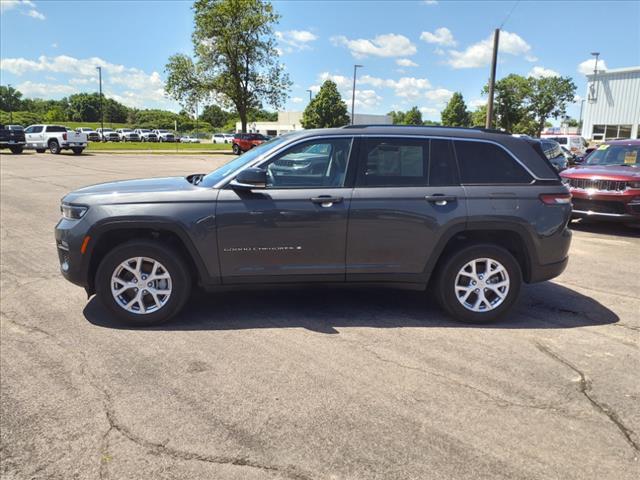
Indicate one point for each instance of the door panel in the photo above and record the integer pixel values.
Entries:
(393, 230)
(283, 234)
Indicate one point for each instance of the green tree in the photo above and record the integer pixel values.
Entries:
(413, 117)
(84, 107)
(215, 115)
(397, 117)
(455, 113)
(327, 109)
(510, 101)
(572, 122)
(235, 58)
(479, 116)
(548, 97)
(55, 114)
(10, 99)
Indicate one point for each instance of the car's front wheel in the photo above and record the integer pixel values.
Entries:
(478, 284)
(77, 151)
(16, 150)
(143, 282)
(236, 149)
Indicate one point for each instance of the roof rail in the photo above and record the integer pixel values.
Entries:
(482, 129)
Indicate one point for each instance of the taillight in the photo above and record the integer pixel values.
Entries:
(556, 198)
(64, 137)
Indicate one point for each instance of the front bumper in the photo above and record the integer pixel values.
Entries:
(69, 235)
(620, 207)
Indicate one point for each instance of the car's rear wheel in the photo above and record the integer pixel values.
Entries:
(40, 150)
(54, 147)
(478, 284)
(17, 149)
(143, 282)
(77, 151)
(236, 149)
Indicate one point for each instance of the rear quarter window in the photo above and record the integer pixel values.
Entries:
(486, 163)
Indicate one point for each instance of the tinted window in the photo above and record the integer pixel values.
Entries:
(55, 129)
(482, 162)
(318, 163)
(36, 129)
(442, 165)
(395, 162)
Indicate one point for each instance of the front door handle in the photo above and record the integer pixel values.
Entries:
(326, 201)
(440, 199)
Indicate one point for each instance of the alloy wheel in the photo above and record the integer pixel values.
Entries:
(141, 285)
(482, 285)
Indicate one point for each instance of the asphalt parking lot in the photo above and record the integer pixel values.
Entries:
(309, 384)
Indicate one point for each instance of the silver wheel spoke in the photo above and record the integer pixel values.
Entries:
(479, 278)
(158, 286)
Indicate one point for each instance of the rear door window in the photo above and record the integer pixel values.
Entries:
(487, 163)
(442, 164)
(55, 129)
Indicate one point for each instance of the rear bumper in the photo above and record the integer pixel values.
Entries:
(540, 273)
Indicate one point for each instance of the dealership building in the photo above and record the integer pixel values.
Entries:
(292, 121)
(612, 106)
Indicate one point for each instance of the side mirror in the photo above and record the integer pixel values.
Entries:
(249, 179)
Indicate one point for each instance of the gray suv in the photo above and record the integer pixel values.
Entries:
(469, 213)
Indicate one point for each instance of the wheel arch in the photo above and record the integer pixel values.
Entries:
(106, 236)
(511, 237)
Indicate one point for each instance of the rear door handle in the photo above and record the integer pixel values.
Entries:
(326, 201)
(440, 199)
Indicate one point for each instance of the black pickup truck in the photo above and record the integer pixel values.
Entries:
(12, 137)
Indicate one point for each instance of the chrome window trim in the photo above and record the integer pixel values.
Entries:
(268, 155)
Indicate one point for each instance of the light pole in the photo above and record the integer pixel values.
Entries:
(595, 77)
(353, 94)
(492, 80)
(101, 109)
(310, 97)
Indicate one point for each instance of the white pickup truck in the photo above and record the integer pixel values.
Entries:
(55, 138)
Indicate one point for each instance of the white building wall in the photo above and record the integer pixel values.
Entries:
(613, 99)
(291, 121)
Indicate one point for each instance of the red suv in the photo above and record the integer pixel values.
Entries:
(246, 141)
(607, 185)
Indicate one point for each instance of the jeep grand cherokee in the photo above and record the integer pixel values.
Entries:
(469, 213)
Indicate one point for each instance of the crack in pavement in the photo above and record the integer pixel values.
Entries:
(585, 389)
(289, 471)
(501, 402)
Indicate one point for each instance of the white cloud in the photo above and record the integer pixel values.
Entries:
(477, 102)
(439, 51)
(297, 100)
(430, 2)
(366, 98)
(295, 40)
(441, 36)
(429, 110)
(54, 45)
(36, 14)
(405, 62)
(479, 54)
(587, 67)
(387, 45)
(26, 7)
(45, 90)
(439, 96)
(136, 87)
(540, 72)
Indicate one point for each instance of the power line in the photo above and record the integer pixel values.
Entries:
(509, 14)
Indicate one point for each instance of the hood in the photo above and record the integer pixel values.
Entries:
(612, 172)
(148, 189)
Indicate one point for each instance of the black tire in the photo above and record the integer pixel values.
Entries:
(175, 265)
(16, 150)
(236, 149)
(77, 151)
(446, 278)
(40, 150)
(54, 147)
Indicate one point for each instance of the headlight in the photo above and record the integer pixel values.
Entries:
(633, 184)
(73, 212)
(565, 180)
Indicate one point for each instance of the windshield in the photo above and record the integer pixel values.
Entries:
(214, 177)
(107, 130)
(608, 154)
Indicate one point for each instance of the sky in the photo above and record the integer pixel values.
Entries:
(412, 52)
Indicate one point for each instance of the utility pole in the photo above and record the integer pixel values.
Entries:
(310, 97)
(353, 94)
(101, 108)
(492, 80)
